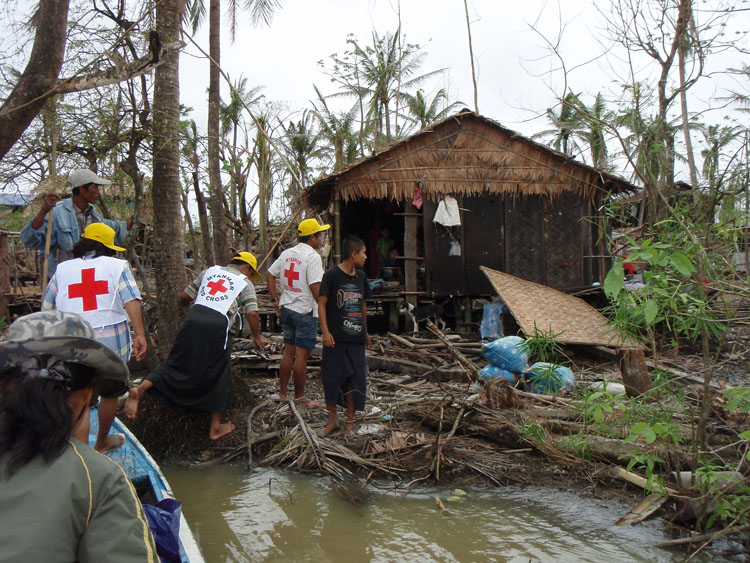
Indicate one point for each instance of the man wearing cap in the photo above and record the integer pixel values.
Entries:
(300, 269)
(198, 373)
(70, 218)
(101, 289)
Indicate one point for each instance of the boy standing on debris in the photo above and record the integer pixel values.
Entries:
(343, 322)
(300, 269)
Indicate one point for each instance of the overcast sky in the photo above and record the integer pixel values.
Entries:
(518, 78)
(283, 57)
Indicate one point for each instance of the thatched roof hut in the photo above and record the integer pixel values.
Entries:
(525, 209)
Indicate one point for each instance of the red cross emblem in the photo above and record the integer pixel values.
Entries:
(216, 287)
(291, 275)
(88, 289)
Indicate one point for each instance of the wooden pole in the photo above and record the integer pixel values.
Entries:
(635, 376)
(47, 244)
(471, 55)
(410, 249)
(337, 229)
(4, 276)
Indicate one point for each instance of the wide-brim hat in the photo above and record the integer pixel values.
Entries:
(103, 233)
(310, 227)
(66, 336)
(84, 177)
(252, 261)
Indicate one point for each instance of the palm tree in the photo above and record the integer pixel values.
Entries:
(378, 75)
(422, 112)
(337, 129)
(595, 117)
(190, 142)
(231, 114)
(303, 145)
(168, 232)
(262, 159)
(723, 185)
(260, 11)
(567, 125)
(389, 72)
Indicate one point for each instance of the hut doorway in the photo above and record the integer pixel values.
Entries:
(381, 224)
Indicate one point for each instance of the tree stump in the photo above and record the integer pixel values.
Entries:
(634, 371)
(5, 276)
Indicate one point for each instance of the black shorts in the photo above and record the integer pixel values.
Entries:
(344, 365)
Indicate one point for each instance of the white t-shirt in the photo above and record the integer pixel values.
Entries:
(298, 268)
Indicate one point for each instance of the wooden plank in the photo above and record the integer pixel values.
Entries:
(410, 249)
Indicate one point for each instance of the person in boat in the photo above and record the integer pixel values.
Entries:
(343, 322)
(198, 373)
(59, 499)
(300, 269)
(101, 289)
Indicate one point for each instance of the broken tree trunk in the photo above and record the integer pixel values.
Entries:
(634, 372)
(4, 276)
(504, 427)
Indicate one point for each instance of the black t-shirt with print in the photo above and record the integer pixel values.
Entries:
(346, 295)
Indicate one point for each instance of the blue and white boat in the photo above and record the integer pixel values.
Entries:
(148, 481)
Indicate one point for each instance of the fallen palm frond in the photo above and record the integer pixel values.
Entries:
(294, 451)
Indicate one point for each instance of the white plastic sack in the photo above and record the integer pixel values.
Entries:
(447, 213)
(455, 249)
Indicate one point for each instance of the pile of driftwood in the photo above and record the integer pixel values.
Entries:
(421, 426)
(427, 421)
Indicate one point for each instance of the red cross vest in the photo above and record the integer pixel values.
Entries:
(219, 288)
(89, 288)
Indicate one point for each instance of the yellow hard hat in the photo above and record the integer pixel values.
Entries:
(249, 259)
(310, 227)
(102, 233)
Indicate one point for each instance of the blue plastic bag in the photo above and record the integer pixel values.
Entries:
(491, 327)
(493, 373)
(547, 378)
(376, 285)
(164, 521)
(507, 353)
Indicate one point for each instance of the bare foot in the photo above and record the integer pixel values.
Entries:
(221, 430)
(306, 402)
(112, 442)
(349, 429)
(131, 403)
(330, 428)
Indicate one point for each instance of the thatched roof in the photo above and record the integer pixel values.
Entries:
(464, 154)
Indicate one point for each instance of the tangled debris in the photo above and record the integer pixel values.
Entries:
(425, 422)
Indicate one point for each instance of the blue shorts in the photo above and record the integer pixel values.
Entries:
(298, 329)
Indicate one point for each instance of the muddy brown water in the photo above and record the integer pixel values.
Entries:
(276, 515)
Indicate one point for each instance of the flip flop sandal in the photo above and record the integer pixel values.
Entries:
(119, 440)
